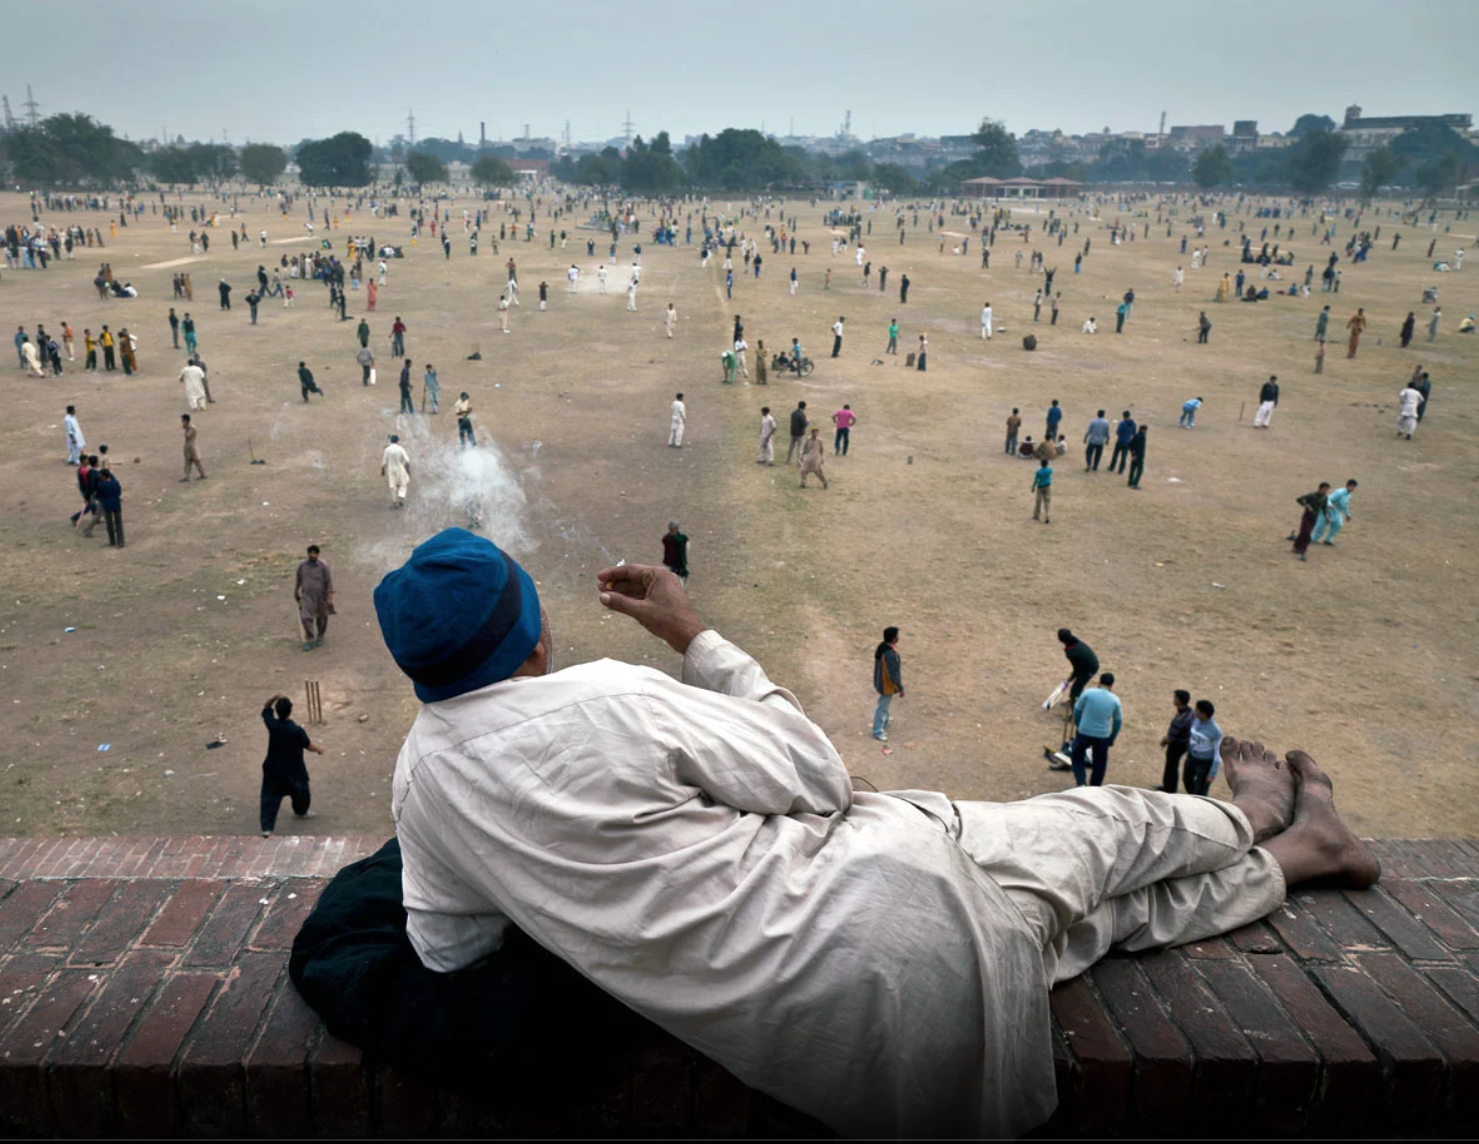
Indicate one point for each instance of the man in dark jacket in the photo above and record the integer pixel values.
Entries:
(1137, 457)
(1081, 659)
(1314, 505)
(306, 382)
(284, 773)
(798, 432)
(1268, 399)
(888, 681)
(1122, 434)
(110, 500)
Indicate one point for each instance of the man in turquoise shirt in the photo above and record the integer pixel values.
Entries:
(1042, 486)
(1337, 512)
(1098, 716)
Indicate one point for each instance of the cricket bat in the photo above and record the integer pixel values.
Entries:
(372, 375)
(1058, 692)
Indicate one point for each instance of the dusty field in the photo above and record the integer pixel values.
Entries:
(1364, 656)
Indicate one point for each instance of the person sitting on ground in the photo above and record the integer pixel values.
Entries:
(1091, 327)
(1467, 325)
(627, 820)
(1027, 450)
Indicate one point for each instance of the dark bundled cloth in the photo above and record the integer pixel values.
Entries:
(519, 1020)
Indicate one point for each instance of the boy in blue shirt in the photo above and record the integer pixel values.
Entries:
(1189, 412)
(1204, 756)
(1042, 484)
(1098, 715)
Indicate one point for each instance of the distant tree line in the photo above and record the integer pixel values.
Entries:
(77, 150)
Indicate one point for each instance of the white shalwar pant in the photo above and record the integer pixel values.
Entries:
(1264, 415)
(1113, 867)
(675, 434)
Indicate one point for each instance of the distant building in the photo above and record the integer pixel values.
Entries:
(1020, 188)
(531, 169)
(1364, 134)
(1244, 135)
(1193, 138)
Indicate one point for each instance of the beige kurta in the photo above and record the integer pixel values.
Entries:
(194, 379)
(812, 455)
(697, 850)
(397, 465)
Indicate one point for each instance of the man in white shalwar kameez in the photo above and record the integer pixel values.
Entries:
(395, 467)
(193, 378)
(880, 961)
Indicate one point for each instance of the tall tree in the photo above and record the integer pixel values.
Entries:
(1309, 121)
(645, 169)
(491, 171)
(343, 160)
(1437, 175)
(262, 163)
(424, 168)
(172, 165)
(894, 179)
(212, 161)
(1313, 163)
(70, 149)
(1378, 169)
(997, 156)
(1212, 167)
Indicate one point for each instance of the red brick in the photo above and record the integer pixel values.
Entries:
(1413, 1066)
(60, 862)
(119, 923)
(1461, 986)
(467, 1114)
(277, 1068)
(210, 1072)
(1399, 927)
(1256, 938)
(1444, 858)
(1289, 1069)
(17, 863)
(660, 1084)
(1396, 861)
(1226, 1063)
(1345, 924)
(64, 922)
(25, 1044)
(721, 1103)
(1300, 932)
(1163, 1061)
(143, 1084)
(287, 912)
(23, 908)
(1211, 948)
(1456, 1037)
(81, 1095)
(1434, 913)
(1105, 1064)
(177, 923)
(220, 938)
(21, 978)
(1462, 896)
(407, 1105)
(341, 1097)
(1351, 1074)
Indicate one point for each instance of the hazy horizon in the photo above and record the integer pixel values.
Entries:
(280, 73)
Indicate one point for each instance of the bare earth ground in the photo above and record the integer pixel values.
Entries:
(1364, 655)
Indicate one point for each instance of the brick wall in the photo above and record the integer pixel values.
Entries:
(144, 991)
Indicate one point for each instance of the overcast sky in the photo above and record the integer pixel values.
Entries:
(280, 70)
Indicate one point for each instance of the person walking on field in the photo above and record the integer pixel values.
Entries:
(1095, 438)
(1204, 749)
(1176, 740)
(1137, 457)
(1124, 433)
(670, 318)
(110, 501)
(1357, 326)
(1042, 490)
(811, 458)
(1337, 512)
(1098, 717)
(798, 432)
(306, 384)
(1314, 505)
(679, 418)
(837, 336)
(888, 681)
(1409, 403)
(313, 591)
(1268, 400)
(986, 322)
(675, 552)
(193, 378)
(192, 449)
(843, 419)
(1014, 423)
(1433, 323)
(395, 467)
(284, 771)
(1409, 325)
(767, 438)
(76, 442)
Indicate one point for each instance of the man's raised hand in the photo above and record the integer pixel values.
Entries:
(655, 598)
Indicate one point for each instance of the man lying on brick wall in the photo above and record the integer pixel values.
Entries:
(880, 961)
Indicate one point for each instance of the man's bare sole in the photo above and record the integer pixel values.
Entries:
(1263, 786)
(1319, 847)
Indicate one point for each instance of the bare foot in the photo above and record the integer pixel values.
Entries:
(1263, 786)
(1319, 846)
